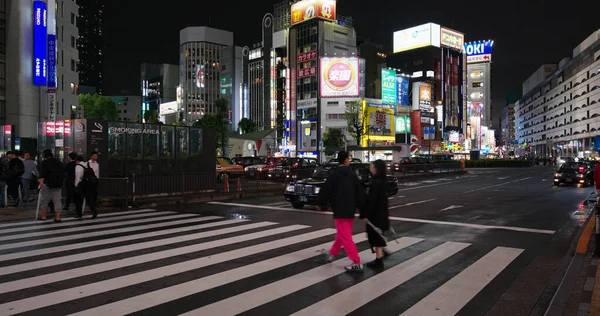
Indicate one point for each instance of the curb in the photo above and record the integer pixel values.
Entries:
(559, 301)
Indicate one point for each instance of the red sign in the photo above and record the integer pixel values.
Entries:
(307, 72)
(380, 118)
(302, 57)
(67, 128)
(310, 9)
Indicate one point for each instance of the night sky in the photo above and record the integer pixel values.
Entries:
(525, 35)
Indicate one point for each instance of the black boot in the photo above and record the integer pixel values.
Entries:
(377, 263)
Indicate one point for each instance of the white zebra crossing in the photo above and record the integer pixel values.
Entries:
(183, 242)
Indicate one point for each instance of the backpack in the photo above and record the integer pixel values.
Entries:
(89, 179)
(56, 174)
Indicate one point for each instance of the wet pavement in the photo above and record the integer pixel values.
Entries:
(490, 242)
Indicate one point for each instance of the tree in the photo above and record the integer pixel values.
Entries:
(98, 107)
(219, 121)
(357, 120)
(246, 125)
(333, 138)
(151, 117)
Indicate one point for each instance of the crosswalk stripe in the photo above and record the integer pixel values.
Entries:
(151, 299)
(126, 262)
(66, 221)
(49, 278)
(50, 240)
(82, 245)
(451, 297)
(89, 227)
(45, 300)
(243, 302)
(358, 295)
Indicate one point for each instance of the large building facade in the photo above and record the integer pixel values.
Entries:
(3, 42)
(90, 44)
(559, 113)
(160, 84)
(41, 60)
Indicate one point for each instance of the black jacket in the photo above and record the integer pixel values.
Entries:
(70, 173)
(16, 168)
(376, 208)
(343, 191)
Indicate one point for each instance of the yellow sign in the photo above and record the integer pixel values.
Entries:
(309, 9)
(381, 125)
(452, 39)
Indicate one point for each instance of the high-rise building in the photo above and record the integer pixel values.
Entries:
(374, 56)
(90, 44)
(160, 84)
(3, 61)
(210, 68)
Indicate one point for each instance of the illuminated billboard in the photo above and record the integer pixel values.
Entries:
(40, 42)
(402, 89)
(417, 37)
(422, 97)
(389, 92)
(200, 76)
(402, 124)
(339, 77)
(51, 61)
(479, 51)
(452, 39)
(309, 9)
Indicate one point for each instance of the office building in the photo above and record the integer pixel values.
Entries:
(129, 106)
(374, 56)
(559, 113)
(90, 44)
(159, 83)
(211, 68)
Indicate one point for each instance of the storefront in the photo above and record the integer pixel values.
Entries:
(381, 130)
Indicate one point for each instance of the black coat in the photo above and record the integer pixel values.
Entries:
(376, 208)
(343, 191)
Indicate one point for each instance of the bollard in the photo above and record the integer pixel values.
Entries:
(225, 183)
(462, 165)
(239, 184)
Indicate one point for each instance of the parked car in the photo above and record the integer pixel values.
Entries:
(574, 173)
(247, 161)
(305, 192)
(293, 169)
(262, 170)
(415, 164)
(227, 168)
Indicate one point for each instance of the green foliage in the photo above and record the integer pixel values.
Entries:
(246, 125)
(219, 122)
(98, 107)
(498, 163)
(151, 117)
(357, 120)
(333, 138)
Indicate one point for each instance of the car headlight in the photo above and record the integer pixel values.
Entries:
(259, 169)
(247, 169)
(317, 190)
(558, 175)
(580, 176)
(289, 188)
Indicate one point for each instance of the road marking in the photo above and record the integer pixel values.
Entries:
(410, 184)
(411, 203)
(77, 272)
(451, 207)
(497, 185)
(82, 245)
(50, 240)
(431, 181)
(503, 178)
(402, 219)
(62, 296)
(93, 227)
(350, 299)
(246, 301)
(451, 297)
(396, 197)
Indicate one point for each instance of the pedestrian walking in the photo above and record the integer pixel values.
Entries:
(86, 184)
(70, 180)
(16, 168)
(375, 213)
(30, 172)
(343, 192)
(52, 173)
(3, 177)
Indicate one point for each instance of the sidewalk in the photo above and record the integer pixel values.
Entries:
(579, 291)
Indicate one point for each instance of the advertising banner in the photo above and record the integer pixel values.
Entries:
(424, 96)
(417, 37)
(402, 124)
(307, 72)
(302, 57)
(452, 39)
(381, 121)
(339, 77)
(200, 76)
(51, 105)
(479, 51)
(389, 87)
(402, 90)
(40, 42)
(52, 61)
(309, 9)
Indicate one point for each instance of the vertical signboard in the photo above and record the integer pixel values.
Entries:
(97, 140)
(402, 124)
(40, 29)
(479, 51)
(52, 105)
(389, 92)
(51, 61)
(402, 90)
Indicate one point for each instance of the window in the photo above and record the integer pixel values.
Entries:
(62, 33)
(73, 41)
(72, 88)
(62, 107)
(72, 65)
(72, 18)
(62, 82)
(62, 58)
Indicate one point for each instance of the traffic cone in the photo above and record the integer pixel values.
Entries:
(226, 183)
(239, 185)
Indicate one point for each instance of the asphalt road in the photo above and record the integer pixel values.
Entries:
(491, 242)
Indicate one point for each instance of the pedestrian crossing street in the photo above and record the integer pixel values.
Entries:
(166, 263)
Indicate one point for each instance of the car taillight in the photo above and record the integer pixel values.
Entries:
(296, 165)
(581, 169)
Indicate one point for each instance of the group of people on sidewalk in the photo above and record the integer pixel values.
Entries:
(344, 193)
(78, 178)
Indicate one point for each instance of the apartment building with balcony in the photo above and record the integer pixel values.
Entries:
(559, 113)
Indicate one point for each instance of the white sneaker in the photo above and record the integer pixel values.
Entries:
(356, 268)
(327, 255)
